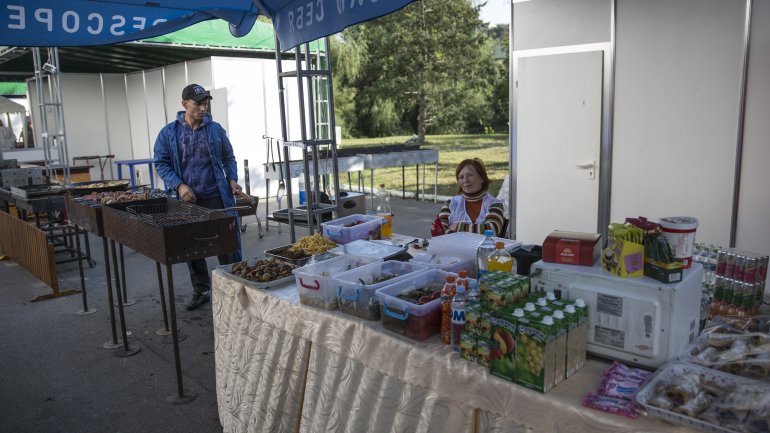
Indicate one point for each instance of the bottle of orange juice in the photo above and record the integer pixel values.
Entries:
(500, 260)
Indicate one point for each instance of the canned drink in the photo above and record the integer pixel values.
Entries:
(762, 270)
(749, 269)
(729, 264)
(740, 267)
(721, 262)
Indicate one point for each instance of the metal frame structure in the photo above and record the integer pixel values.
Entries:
(314, 82)
(48, 74)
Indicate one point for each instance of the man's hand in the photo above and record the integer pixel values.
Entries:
(186, 193)
(452, 227)
(235, 187)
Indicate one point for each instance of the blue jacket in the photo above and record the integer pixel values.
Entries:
(169, 165)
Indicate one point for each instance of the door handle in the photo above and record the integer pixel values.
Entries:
(590, 166)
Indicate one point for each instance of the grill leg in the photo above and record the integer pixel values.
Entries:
(179, 397)
(127, 351)
(85, 309)
(165, 330)
(126, 302)
(114, 344)
(91, 262)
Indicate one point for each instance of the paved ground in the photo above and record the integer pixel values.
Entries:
(55, 376)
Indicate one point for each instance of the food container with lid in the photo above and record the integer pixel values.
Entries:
(353, 227)
(316, 283)
(356, 288)
(403, 316)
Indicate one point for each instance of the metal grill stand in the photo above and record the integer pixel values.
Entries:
(169, 231)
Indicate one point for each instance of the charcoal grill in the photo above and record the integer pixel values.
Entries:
(169, 231)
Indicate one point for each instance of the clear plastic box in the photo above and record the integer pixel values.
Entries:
(356, 288)
(370, 228)
(446, 263)
(317, 284)
(415, 321)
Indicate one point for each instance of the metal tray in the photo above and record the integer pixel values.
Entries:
(39, 190)
(253, 284)
(83, 188)
(277, 253)
(647, 393)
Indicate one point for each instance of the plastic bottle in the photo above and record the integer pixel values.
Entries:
(500, 260)
(486, 248)
(459, 302)
(474, 295)
(447, 293)
(463, 277)
(302, 192)
(382, 208)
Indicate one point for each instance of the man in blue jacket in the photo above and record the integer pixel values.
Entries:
(194, 158)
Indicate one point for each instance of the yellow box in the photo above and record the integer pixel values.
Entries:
(623, 258)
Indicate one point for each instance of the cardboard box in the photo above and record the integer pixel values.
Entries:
(572, 248)
(663, 272)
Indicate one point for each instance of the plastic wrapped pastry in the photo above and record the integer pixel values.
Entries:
(698, 404)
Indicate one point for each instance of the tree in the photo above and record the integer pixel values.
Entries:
(427, 68)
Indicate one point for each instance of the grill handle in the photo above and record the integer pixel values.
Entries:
(210, 238)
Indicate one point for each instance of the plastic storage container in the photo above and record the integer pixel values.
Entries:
(356, 288)
(316, 283)
(369, 228)
(417, 322)
(446, 263)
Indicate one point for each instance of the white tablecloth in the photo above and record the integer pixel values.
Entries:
(286, 367)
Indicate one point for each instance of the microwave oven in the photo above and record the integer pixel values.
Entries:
(635, 320)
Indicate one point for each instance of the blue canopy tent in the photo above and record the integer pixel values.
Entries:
(34, 23)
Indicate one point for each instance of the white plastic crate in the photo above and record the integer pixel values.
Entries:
(316, 283)
(446, 263)
(415, 321)
(356, 288)
(370, 228)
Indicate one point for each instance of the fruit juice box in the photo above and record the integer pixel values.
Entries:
(485, 324)
(502, 361)
(468, 346)
(560, 354)
(473, 319)
(573, 339)
(535, 347)
(582, 310)
(483, 351)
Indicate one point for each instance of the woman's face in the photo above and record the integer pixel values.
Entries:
(469, 180)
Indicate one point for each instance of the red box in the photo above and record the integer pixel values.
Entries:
(572, 248)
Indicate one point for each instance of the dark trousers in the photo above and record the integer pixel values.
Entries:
(199, 271)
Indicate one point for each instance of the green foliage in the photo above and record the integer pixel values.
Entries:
(428, 68)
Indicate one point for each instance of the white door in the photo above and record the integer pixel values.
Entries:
(558, 138)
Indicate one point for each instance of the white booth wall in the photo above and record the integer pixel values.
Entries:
(121, 114)
(676, 107)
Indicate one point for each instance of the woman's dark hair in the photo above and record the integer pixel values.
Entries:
(480, 169)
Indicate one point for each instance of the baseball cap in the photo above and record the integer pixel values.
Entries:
(195, 92)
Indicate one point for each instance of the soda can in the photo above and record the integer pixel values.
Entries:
(729, 264)
(739, 267)
(762, 270)
(721, 262)
(749, 269)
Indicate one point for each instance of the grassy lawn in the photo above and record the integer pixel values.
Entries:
(492, 149)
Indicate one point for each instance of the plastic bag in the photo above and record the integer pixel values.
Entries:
(437, 229)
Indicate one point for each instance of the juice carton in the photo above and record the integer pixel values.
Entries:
(483, 351)
(560, 354)
(535, 347)
(468, 346)
(502, 361)
(485, 324)
(573, 339)
(582, 310)
(501, 289)
(473, 318)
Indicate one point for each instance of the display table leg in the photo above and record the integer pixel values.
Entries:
(165, 332)
(85, 309)
(127, 351)
(180, 397)
(114, 344)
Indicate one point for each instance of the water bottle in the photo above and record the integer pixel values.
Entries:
(486, 248)
(458, 316)
(302, 192)
(474, 295)
(382, 208)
